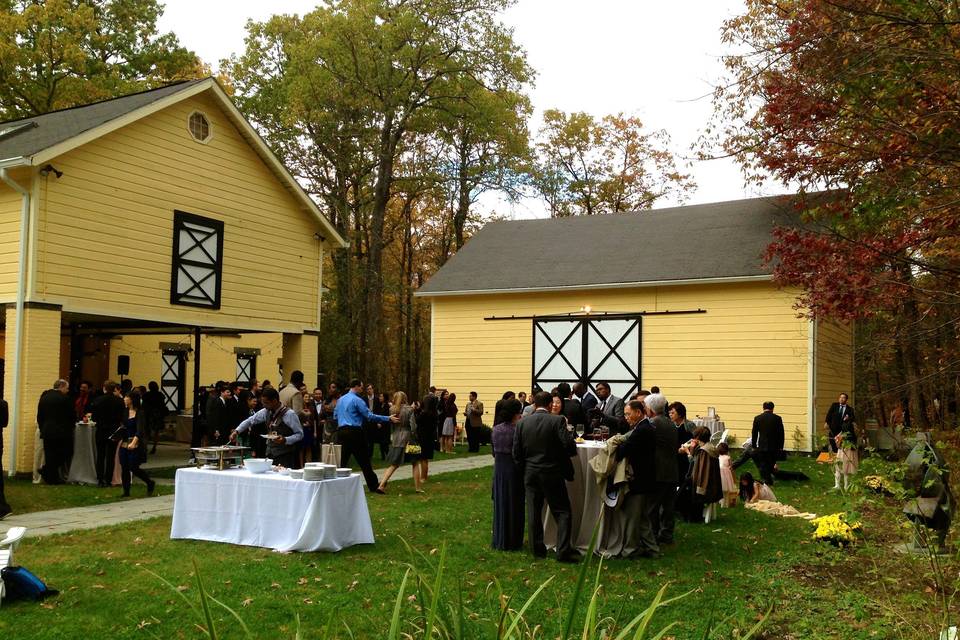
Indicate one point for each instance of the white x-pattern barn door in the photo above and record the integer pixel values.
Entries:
(172, 382)
(588, 351)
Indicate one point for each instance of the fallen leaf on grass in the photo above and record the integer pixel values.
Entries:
(302, 581)
(98, 586)
(181, 588)
(274, 585)
(246, 602)
(353, 585)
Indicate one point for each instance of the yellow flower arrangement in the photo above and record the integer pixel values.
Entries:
(878, 484)
(835, 529)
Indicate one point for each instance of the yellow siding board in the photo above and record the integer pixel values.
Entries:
(834, 367)
(749, 347)
(113, 215)
(10, 209)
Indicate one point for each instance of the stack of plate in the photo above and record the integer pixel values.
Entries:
(313, 473)
(343, 472)
(296, 474)
(329, 471)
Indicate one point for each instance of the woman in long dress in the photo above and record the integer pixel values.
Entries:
(133, 447)
(402, 433)
(508, 491)
(426, 433)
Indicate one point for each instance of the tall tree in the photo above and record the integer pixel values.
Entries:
(361, 76)
(861, 98)
(589, 166)
(61, 53)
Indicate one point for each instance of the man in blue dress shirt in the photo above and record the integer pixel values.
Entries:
(351, 412)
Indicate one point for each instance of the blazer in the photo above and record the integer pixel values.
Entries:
(55, 415)
(588, 401)
(639, 448)
(838, 421)
(767, 434)
(543, 445)
(574, 412)
(108, 412)
(665, 450)
(613, 406)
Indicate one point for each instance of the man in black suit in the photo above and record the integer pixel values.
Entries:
(543, 447)
(219, 409)
(56, 419)
(610, 404)
(840, 419)
(767, 438)
(639, 449)
(108, 413)
(5, 509)
(571, 408)
(666, 470)
(587, 400)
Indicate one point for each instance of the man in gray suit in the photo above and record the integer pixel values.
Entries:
(543, 447)
(610, 404)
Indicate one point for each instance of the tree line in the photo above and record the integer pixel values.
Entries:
(407, 120)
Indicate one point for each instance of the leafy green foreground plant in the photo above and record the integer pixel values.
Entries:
(443, 619)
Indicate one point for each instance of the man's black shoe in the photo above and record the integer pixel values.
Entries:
(570, 558)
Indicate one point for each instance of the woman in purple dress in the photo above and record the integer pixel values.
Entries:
(507, 481)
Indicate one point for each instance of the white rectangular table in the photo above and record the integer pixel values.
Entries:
(270, 510)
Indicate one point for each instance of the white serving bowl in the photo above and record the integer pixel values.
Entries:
(296, 474)
(258, 465)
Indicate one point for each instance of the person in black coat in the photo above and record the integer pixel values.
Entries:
(767, 438)
(543, 447)
(108, 414)
(56, 419)
(5, 509)
(639, 449)
(840, 419)
(666, 469)
(572, 409)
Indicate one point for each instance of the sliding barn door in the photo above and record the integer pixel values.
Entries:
(588, 351)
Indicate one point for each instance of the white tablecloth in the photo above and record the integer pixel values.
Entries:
(270, 510)
(83, 468)
(586, 503)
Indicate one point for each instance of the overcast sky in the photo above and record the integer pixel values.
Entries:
(655, 59)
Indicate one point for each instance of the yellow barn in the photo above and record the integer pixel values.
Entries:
(154, 235)
(678, 298)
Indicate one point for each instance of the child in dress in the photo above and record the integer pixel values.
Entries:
(752, 491)
(727, 480)
(847, 462)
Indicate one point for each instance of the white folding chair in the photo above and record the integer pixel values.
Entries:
(7, 546)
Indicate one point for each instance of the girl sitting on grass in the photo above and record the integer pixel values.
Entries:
(751, 491)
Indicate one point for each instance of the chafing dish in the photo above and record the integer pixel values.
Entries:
(219, 458)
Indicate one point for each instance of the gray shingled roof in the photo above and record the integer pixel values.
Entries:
(718, 240)
(57, 126)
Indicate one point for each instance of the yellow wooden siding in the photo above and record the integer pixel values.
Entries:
(834, 367)
(109, 219)
(218, 361)
(749, 347)
(10, 210)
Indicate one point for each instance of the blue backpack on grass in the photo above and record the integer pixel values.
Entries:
(23, 585)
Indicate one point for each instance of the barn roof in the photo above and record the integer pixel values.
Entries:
(721, 241)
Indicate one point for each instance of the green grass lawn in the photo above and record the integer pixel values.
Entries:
(26, 497)
(740, 566)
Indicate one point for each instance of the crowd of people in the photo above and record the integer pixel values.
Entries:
(676, 469)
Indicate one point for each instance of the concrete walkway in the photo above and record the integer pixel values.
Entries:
(44, 523)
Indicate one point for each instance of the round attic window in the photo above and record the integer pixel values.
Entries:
(199, 127)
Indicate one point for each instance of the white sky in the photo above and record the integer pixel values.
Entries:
(652, 58)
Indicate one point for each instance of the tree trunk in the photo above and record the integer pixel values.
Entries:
(463, 198)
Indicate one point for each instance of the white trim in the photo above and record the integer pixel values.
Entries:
(233, 114)
(7, 163)
(209, 126)
(68, 307)
(812, 381)
(604, 285)
(432, 347)
(16, 398)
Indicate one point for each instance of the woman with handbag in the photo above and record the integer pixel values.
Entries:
(403, 441)
(133, 444)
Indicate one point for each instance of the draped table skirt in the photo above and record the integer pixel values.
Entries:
(83, 468)
(270, 510)
(586, 505)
